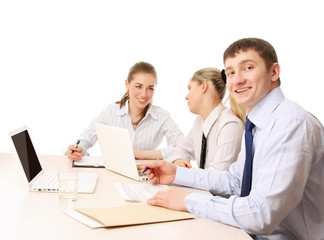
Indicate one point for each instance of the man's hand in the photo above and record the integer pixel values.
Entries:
(160, 172)
(173, 198)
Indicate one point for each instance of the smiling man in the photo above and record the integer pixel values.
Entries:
(275, 190)
(249, 77)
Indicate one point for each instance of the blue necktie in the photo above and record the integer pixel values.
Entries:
(247, 174)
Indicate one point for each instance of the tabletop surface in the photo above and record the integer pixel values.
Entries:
(36, 215)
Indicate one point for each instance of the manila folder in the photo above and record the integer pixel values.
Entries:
(133, 214)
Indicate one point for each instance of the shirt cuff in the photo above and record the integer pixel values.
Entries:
(172, 158)
(184, 177)
(169, 159)
(197, 204)
(166, 151)
(85, 150)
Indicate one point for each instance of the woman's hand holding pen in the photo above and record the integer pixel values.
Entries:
(182, 163)
(75, 152)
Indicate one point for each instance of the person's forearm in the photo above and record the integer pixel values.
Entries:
(150, 154)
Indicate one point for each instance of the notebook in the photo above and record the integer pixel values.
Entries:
(39, 179)
(89, 162)
(117, 151)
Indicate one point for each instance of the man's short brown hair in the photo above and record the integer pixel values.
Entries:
(262, 47)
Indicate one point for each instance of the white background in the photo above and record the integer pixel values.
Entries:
(63, 61)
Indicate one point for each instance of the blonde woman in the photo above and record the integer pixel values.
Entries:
(147, 124)
(215, 138)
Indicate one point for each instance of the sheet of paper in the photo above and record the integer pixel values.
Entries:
(83, 218)
(138, 192)
(89, 162)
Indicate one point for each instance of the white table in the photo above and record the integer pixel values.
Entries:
(35, 215)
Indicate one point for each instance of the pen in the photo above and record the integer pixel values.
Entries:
(145, 169)
(188, 166)
(76, 145)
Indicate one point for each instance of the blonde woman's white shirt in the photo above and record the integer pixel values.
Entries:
(148, 134)
(224, 136)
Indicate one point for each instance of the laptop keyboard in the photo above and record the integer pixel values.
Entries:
(47, 182)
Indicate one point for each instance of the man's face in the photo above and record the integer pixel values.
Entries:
(248, 79)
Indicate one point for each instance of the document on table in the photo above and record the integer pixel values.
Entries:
(90, 162)
(138, 192)
(126, 215)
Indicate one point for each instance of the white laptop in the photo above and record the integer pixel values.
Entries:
(38, 179)
(117, 151)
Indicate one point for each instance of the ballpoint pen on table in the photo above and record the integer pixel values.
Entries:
(76, 145)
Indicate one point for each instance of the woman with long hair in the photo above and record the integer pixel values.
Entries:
(215, 138)
(147, 124)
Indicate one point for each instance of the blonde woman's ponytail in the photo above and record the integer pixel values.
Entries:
(237, 109)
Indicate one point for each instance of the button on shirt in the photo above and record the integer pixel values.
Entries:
(148, 134)
(287, 195)
(224, 136)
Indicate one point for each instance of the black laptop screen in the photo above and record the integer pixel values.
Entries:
(27, 154)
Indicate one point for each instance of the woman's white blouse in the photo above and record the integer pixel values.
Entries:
(224, 136)
(148, 134)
